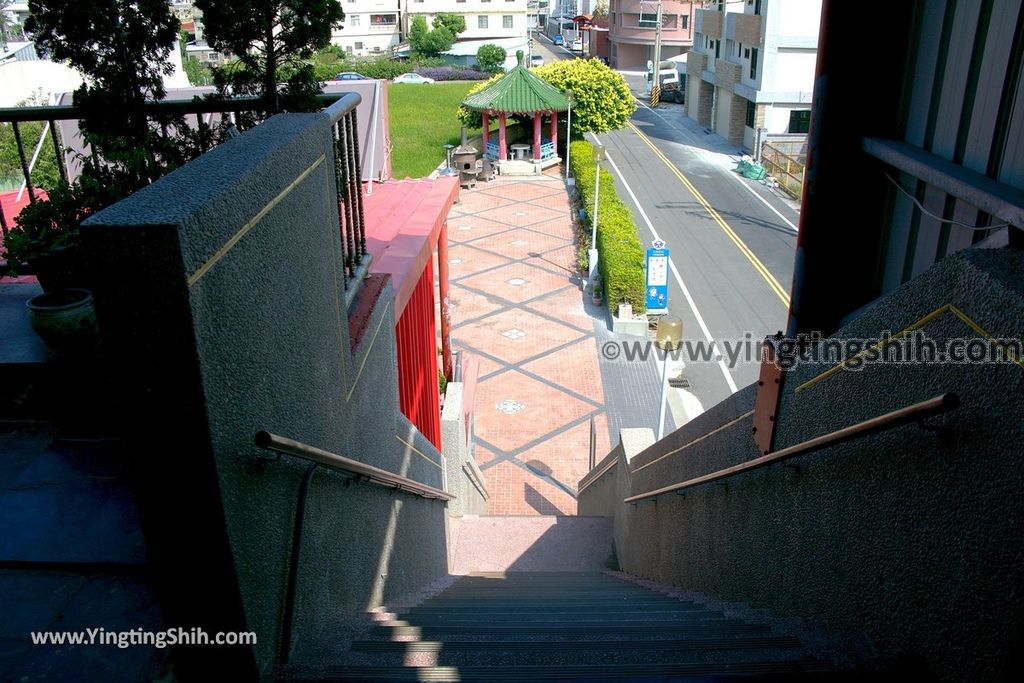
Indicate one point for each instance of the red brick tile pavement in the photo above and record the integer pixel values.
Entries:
(517, 307)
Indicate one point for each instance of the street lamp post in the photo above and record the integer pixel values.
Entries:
(568, 133)
(593, 253)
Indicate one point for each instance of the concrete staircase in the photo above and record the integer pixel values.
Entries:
(504, 615)
(547, 626)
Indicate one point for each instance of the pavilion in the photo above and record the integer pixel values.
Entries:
(519, 92)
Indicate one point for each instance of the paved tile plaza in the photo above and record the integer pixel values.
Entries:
(518, 307)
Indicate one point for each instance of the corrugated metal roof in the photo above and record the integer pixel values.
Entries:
(518, 92)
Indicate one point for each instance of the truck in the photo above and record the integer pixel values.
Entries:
(671, 82)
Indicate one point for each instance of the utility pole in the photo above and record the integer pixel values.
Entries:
(656, 61)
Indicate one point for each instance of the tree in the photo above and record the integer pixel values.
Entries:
(271, 39)
(601, 8)
(431, 43)
(121, 47)
(601, 99)
(196, 72)
(456, 23)
(491, 58)
(9, 30)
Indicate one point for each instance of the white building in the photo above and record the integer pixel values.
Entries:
(370, 26)
(752, 67)
(484, 18)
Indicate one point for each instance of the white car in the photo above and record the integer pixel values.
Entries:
(411, 78)
(577, 45)
(536, 60)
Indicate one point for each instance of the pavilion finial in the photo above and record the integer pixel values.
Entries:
(519, 57)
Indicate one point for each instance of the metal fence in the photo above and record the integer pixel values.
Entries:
(203, 117)
(787, 171)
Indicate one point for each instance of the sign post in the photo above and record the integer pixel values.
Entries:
(657, 278)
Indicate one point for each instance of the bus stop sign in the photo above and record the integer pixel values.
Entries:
(657, 278)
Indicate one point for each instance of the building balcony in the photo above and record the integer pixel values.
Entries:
(708, 22)
(743, 28)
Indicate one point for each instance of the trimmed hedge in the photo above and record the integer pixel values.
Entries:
(621, 254)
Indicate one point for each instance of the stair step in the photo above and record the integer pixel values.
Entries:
(539, 673)
(423, 618)
(531, 602)
(572, 630)
(738, 643)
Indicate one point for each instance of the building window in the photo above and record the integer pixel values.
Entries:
(348, 49)
(757, 6)
(753, 63)
(800, 121)
(746, 53)
(684, 20)
(354, 19)
(718, 50)
(359, 46)
(383, 19)
(751, 114)
(481, 21)
(506, 21)
(613, 18)
(739, 50)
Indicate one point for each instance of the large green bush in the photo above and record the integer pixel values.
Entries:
(601, 97)
(621, 260)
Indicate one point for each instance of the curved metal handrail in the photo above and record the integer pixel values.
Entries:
(918, 411)
(373, 475)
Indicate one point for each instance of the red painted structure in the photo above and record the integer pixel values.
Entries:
(406, 221)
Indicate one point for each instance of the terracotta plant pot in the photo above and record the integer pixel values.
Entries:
(64, 319)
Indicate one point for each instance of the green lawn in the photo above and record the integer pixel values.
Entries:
(422, 121)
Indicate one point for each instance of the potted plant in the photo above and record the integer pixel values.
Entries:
(596, 293)
(45, 242)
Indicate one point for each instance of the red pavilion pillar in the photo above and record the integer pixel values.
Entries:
(554, 130)
(502, 149)
(536, 136)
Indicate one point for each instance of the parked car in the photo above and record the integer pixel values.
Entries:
(577, 45)
(558, 40)
(536, 60)
(411, 78)
(350, 76)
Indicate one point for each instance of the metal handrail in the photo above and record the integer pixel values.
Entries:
(371, 474)
(918, 411)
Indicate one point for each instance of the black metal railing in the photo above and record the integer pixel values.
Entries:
(204, 115)
(69, 157)
(348, 182)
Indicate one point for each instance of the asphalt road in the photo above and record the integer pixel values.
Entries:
(732, 240)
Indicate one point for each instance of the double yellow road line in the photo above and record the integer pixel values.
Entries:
(773, 283)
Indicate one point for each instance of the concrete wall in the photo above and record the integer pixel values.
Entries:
(908, 539)
(227, 272)
(464, 478)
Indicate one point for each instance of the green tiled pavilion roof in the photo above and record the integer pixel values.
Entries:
(518, 92)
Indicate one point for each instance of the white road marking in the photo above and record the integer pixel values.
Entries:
(675, 272)
(732, 175)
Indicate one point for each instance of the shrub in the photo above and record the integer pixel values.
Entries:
(602, 100)
(621, 260)
(451, 73)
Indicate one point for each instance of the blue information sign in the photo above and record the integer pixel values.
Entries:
(657, 278)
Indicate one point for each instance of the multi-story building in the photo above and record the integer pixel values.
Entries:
(632, 25)
(484, 18)
(370, 27)
(752, 67)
